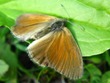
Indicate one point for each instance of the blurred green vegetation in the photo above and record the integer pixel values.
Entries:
(94, 41)
(16, 67)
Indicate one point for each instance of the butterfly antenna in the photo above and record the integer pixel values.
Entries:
(65, 10)
(67, 14)
(69, 17)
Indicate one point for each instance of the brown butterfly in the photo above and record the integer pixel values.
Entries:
(54, 45)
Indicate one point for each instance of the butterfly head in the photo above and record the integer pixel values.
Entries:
(58, 25)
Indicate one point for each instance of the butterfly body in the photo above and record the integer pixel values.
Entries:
(54, 45)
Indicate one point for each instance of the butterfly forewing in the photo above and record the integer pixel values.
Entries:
(30, 19)
(28, 25)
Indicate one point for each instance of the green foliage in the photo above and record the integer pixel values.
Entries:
(106, 77)
(91, 15)
(94, 72)
(95, 20)
(3, 68)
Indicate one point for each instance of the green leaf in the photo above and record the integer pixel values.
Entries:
(106, 77)
(3, 68)
(5, 20)
(95, 59)
(21, 47)
(4, 1)
(107, 57)
(8, 55)
(94, 73)
(3, 32)
(98, 4)
(95, 79)
(94, 16)
(10, 58)
(93, 70)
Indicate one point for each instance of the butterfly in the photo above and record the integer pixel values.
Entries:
(53, 45)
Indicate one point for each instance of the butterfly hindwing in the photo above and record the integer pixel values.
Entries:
(64, 55)
(37, 49)
(58, 50)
